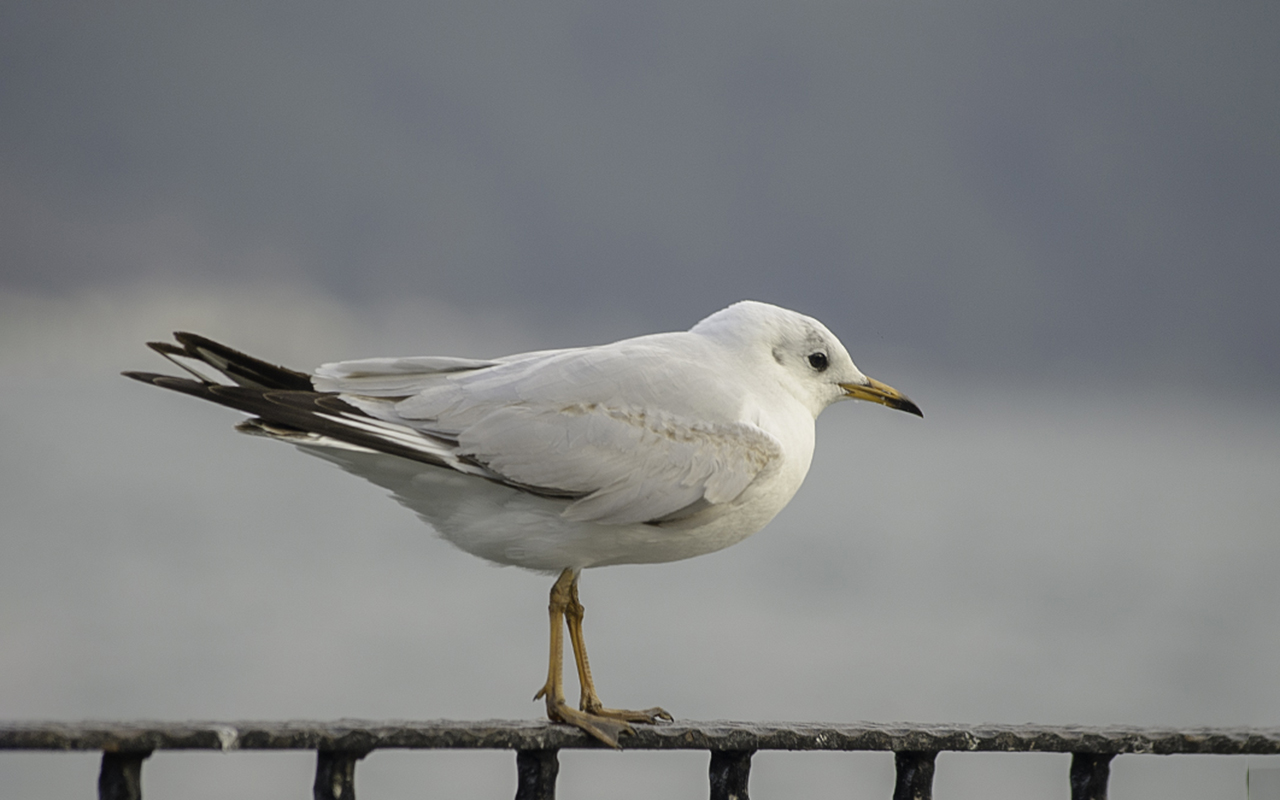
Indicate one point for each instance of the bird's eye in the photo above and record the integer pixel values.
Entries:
(818, 361)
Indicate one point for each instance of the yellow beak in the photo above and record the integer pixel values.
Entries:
(881, 393)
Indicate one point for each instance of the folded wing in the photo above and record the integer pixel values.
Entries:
(625, 465)
(585, 426)
(611, 428)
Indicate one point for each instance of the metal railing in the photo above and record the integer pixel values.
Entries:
(339, 745)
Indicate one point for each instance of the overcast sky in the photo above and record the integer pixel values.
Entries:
(1001, 187)
(1054, 227)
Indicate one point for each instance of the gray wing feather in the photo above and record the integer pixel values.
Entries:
(577, 423)
(631, 466)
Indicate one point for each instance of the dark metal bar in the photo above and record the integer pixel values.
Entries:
(121, 775)
(730, 771)
(915, 774)
(365, 735)
(336, 774)
(1089, 774)
(536, 772)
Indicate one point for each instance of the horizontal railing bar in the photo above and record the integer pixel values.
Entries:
(365, 735)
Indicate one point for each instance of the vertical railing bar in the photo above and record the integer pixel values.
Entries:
(536, 772)
(1089, 775)
(336, 774)
(915, 774)
(121, 775)
(730, 771)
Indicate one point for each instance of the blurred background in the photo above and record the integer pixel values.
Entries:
(1055, 227)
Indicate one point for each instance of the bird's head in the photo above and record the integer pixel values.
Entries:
(814, 365)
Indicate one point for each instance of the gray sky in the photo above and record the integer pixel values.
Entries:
(1055, 228)
(1009, 188)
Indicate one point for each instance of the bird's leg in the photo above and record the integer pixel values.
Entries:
(590, 702)
(553, 690)
(605, 729)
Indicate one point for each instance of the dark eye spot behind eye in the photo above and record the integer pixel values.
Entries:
(818, 361)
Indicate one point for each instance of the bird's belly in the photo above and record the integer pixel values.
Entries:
(530, 532)
(511, 527)
(514, 528)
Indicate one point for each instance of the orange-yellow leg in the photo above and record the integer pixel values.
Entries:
(590, 701)
(605, 724)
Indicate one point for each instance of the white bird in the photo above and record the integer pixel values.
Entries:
(651, 449)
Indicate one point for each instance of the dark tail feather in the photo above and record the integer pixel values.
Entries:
(283, 407)
(243, 369)
(283, 410)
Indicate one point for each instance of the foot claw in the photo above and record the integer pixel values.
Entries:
(649, 716)
(603, 728)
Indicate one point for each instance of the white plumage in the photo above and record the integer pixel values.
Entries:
(699, 437)
(650, 449)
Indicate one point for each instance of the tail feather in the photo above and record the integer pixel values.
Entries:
(181, 359)
(241, 368)
(326, 415)
(283, 402)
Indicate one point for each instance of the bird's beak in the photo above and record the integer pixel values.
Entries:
(881, 393)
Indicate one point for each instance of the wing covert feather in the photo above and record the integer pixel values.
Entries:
(583, 422)
(390, 377)
(633, 465)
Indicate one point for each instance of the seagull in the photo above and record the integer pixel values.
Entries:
(646, 450)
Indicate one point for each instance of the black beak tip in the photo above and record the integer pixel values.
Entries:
(910, 407)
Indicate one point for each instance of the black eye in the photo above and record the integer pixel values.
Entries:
(818, 361)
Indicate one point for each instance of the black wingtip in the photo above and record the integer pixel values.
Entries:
(145, 377)
(193, 339)
(167, 348)
(184, 385)
(241, 367)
